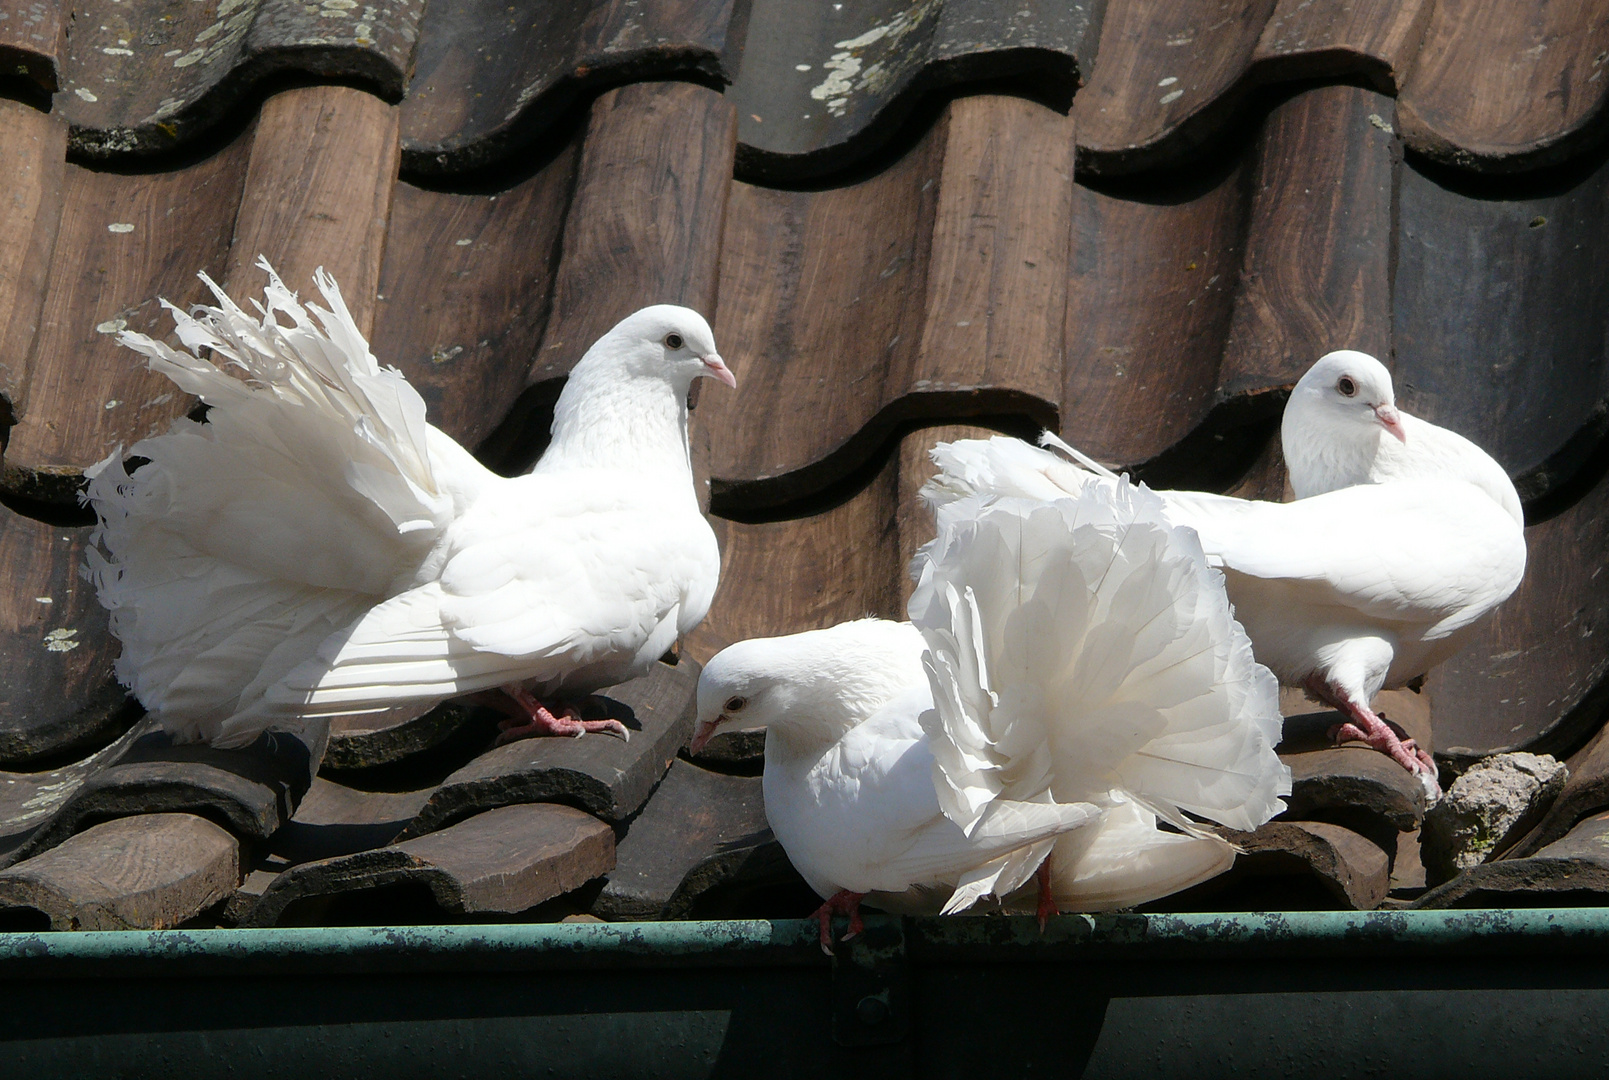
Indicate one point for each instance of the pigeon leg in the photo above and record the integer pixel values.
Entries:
(1047, 902)
(1365, 726)
(535, 719)
(842, 902)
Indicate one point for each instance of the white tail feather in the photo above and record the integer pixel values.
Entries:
(1081, 650)
(245, 541)
(1126, 860)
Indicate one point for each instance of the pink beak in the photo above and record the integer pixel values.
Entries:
(706, 730)
(1391, 420)
(717, 369)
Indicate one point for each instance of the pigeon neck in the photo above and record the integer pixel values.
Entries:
(1316, 466)
(805, 736)
(635, 423)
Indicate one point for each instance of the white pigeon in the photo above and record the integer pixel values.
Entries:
(1403, 536)
(316, 548)
(1074, 672)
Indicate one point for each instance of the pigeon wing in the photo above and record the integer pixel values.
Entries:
(570, 570)
(907, 842)
(1415, 553)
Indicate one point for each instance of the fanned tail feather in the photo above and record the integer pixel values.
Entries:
(243, 542)
(1126, 860)
(1082, 650)
(1012, 838)
(1006, 467)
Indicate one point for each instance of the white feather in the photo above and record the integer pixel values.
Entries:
(1113, 662)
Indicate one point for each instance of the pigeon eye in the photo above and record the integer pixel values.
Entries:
(674, 341)
(734, 704)
(1347, 387)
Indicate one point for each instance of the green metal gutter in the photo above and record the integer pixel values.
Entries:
(1512, 993)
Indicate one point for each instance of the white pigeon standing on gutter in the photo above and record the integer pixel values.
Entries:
(315, 548)
(1403, 537)
(1073, 674)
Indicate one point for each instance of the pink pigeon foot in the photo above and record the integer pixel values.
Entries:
(1365, 726)
(1047, 903)
(842, 902)
(529, 718)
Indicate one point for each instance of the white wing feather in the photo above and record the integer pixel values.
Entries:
(1430, 554)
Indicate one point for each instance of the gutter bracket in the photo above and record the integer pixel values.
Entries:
(871, 994)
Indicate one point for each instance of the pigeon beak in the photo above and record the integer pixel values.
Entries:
(706, 730)
(1391, 420)
(717, 369)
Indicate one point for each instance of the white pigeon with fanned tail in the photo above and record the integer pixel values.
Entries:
(1077, 674)
(316, 548)
(1403, 536)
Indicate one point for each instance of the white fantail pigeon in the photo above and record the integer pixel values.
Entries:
(316, 548)
(1072, 675)
(1403, 536)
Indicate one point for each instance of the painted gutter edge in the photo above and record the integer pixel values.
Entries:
(792, 943)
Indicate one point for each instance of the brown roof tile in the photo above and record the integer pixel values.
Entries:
(254, 791)
(57, 690)
(133, 873)
(1504, 87)
(33, 39)
(915, 260)
(501, 861)
(1571, 870)
(36, 145)
(491, 76)
(822, 85)
(1351, 868)
(143, 76)
(702, 833)
(607, 776)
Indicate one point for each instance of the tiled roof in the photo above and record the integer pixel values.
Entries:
(902, 233)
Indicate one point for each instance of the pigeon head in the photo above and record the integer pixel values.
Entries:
(1342, 415)
(663, 341)
(1347, 391)
(807, 688)
(625, 403)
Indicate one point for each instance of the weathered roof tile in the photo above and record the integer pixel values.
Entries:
(701, 831)
(124, 241)
(135, 873)
(607, 776)
(822, 85)
(491, 77)
(1503, 87)
(254, 790)
(35, 145)
(57, 690)
(1571, 870)
(503, 860)
(143, 76)
(33, 41)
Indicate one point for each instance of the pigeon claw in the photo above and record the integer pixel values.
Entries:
(1047, 902)
(842, 902)
(534, 720)
(1365, 726)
